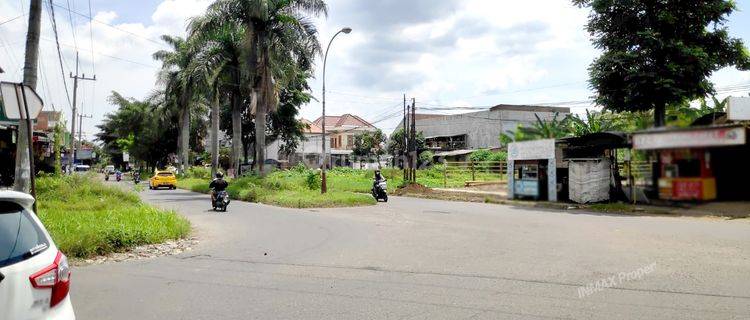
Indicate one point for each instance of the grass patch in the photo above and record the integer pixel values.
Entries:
(313, 199)
(87, 218)
(299, 187)
(295, 189)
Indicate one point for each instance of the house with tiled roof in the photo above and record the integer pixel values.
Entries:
(342, 129)
(340, 133)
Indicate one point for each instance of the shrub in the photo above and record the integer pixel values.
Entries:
(312, 180)
(199, 173)
(425, 158)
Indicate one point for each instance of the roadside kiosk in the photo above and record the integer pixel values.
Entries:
(532, 170)
(699, 163)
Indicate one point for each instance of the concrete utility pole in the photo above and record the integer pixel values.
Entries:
(403, 151)
(414, 140)
(23, 172)
(80, 126)
(73, 147)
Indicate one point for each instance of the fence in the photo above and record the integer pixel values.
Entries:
(474, 172)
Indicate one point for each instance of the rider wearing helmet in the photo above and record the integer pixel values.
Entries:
(218, 185)
(378, 177)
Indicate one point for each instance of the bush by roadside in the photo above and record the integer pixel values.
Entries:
(87, 218)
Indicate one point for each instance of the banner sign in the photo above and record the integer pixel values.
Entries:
(710, 137)
(532, 150)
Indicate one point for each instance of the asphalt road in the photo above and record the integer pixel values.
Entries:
(427, 259)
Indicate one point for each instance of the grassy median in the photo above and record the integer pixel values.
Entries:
(291, 189)
(87, 218)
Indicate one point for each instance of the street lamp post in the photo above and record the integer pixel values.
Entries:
(324, 185)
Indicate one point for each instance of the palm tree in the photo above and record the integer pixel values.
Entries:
(219, 61)
(593, 123)
(279, 40)
(180, 88)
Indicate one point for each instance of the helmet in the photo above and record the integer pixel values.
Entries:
(219, 175)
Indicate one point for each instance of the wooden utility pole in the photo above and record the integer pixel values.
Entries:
(73, 146)
(24, 157)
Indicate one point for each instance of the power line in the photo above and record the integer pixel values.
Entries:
(72, 25)
(59, 52)
(13, 19)
(106, 55)
(93, 59)
(109, 25)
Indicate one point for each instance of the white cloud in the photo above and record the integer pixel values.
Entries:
(122, 54)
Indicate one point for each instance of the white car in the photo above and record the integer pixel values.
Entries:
(34, 274)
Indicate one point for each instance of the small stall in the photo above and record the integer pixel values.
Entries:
(532, 170)
(592, 173)
(699, 163)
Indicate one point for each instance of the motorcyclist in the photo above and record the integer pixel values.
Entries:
(136, 176)
(378, 178)
(218, 185)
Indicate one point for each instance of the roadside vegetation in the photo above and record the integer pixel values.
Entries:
(87, 218)
(300, 187)
(296, 188)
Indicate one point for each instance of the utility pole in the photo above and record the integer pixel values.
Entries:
(24, 172)
(73, 146)
(80, 126)
(414, 139)
(404, 151)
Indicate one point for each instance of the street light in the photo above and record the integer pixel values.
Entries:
(324, 186)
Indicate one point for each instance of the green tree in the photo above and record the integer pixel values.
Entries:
(396, 147)
(593, 123)
(369, 144)
(279, 40)
(139, 128)
(218, 60)
(659, 53)
(181, 85)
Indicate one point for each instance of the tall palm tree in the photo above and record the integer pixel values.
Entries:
(180, 87)
(278, 40)
(219, 59)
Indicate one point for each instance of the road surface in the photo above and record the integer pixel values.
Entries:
(427, 259)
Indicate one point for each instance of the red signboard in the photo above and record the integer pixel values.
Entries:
(687, 189)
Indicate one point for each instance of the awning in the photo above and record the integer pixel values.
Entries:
(694, 137)
(446, 136)
(454, 153)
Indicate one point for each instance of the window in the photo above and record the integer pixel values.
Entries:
(333, 143)
(20, 236)
(166, 174)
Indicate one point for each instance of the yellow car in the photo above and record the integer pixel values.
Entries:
(163, 179)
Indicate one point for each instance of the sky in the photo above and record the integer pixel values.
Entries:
(443, 53)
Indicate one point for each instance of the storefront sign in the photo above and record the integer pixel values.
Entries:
(687, 189)
(712, 137)
(532, 150)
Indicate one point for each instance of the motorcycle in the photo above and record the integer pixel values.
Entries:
(106, 177)
(221, 201)
(380, 191)
(136, 178)
(118, 176)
